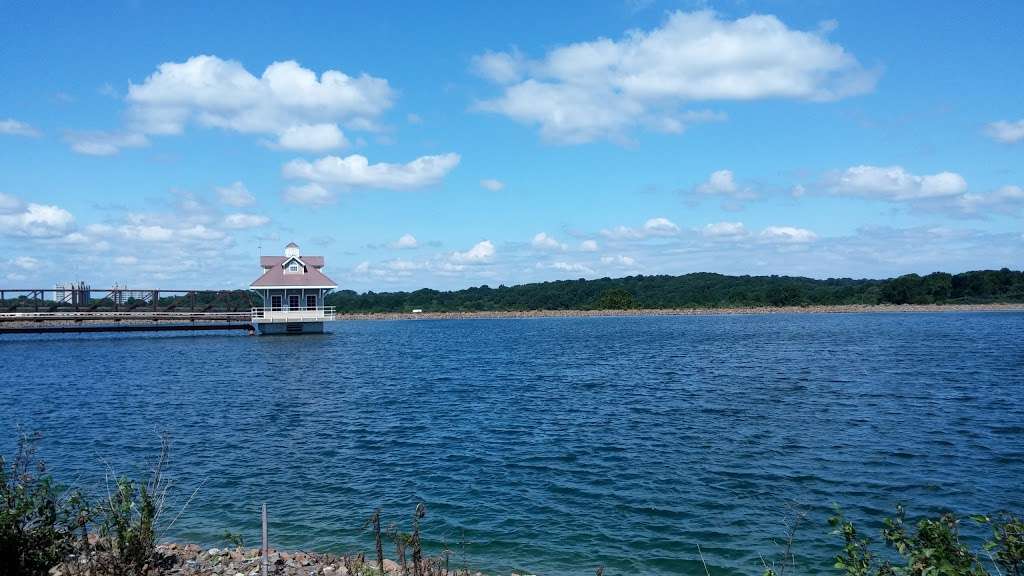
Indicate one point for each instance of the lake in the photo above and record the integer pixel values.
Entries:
(553, 444)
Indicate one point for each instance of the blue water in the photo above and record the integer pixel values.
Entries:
(551, 445)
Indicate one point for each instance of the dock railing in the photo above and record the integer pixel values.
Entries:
(301, 314)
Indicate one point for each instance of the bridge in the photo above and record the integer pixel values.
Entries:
(82, 309)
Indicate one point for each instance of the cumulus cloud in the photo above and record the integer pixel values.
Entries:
(724, 230)
(355, 171)
(311, 194)
(13, 127)
(26, 263)
(312, 137)
(9, 204)
(480, 252)
(35, 221)
(104, 143)
(653, 227)
(896, 184)
(619, 260)
(788, 234)
(236, 195)
(500, 67)
(241, 221)
(492, 184)
(575, 267)
(589, 246)
(405, 242)
(291, 102)
(943, 192)
(723, 183)
(1006, 200)
(542, 241)
(660, 227)
(603, 88)
(1006, 132)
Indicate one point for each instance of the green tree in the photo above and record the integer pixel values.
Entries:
(616, 299)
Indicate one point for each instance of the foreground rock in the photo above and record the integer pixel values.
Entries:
(192, 560)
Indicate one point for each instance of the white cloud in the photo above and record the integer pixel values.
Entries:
(724, 230)
(480, 252)
(660, 227)
(603, 88)
(575, 267)
(723, 183)
(1008, 200)
(589, 246)
(236, 195)
(126, 260)
(356, 171)
(146, 233)
(312, 194)
(412, 118)
(286, 100)
(312, 137)
(720, 182)
(653, 227)
(36, 221)
(492, 184)
(896, 184)
(788, 234)
(13, 127)
(500, 67)
(9, 204)
(27, 263)
(619, 260)
(1007, 132)
(104, 143)
(405, 242)
(542, 241)
(241, 221)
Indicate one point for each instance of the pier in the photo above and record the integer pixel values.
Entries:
(291, 292)
(80, 309)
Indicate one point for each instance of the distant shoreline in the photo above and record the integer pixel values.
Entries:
(837, 309)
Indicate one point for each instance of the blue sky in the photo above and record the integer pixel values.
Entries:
(454, 144)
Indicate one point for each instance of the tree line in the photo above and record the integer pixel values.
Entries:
(697, 290)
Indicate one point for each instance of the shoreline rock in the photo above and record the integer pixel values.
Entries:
(834, 309)
(177, 559)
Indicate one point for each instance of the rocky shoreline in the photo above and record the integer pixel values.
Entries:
(175, 559)
(837, 309)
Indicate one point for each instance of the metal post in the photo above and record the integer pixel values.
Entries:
(265, 563)
(156, 299)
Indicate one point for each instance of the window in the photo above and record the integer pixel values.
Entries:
(310, 302)
(293, 302)
(293, 267)
(275, 302)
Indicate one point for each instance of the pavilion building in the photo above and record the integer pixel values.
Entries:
(293, 288)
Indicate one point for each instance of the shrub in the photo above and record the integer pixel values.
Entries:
(37, 519)
(932, 548)
(128, 523)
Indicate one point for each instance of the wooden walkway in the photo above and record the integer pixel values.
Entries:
(107, 321)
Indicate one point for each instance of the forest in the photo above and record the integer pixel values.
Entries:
(698, 290)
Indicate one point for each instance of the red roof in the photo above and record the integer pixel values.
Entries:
(268, 261)
(274, 274)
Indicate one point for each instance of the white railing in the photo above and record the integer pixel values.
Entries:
(302, 314)
(90, 315)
